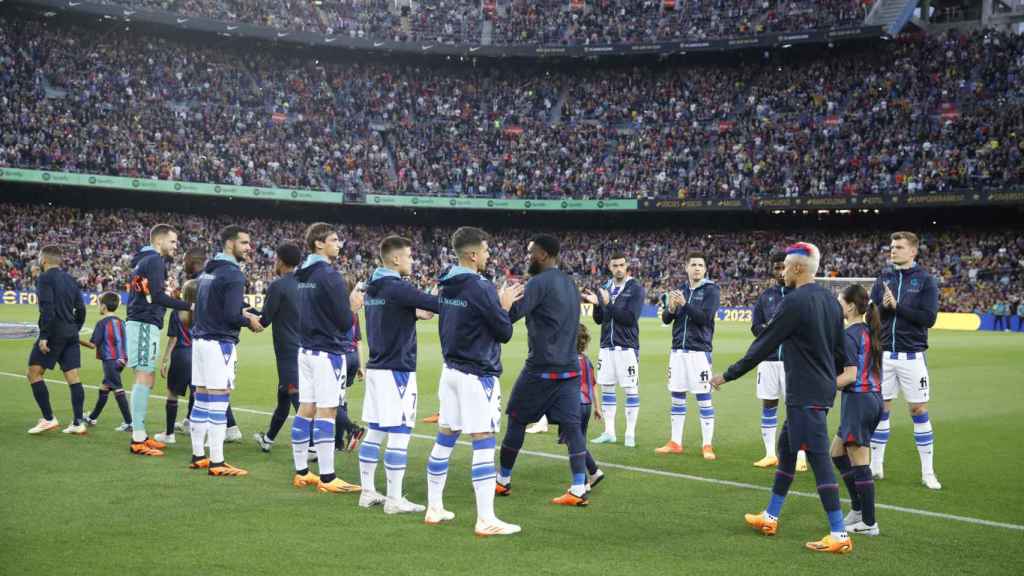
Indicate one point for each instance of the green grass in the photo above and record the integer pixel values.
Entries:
(85, 506)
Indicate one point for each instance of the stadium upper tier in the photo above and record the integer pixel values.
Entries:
(975, 268)
(511, 22)
(916, 115)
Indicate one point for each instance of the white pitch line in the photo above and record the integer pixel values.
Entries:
(665, 473)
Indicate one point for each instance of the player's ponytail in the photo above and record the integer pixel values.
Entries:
(875, 327)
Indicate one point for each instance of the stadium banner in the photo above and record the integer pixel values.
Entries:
(93, 298)
(179, 22)
(166, 186)
(963, 198)
(497, 203)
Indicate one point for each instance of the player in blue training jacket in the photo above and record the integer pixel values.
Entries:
(474, 323)
(147, 303)
(325, 313)
(389, 408)
(691, 310)
(617, 308)
(219, 315)
(909, 300)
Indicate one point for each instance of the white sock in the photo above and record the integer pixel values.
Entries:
(678, 416)
(608, 408)
(879, 439)
(769, 425)
(217, 409)
(484, 477)
(369, 454)
(395, 459)
(217, 432)
(632, 410)
(437, 468)
(199, 425)
(707, 419)
(301, 430)
(323, 439)
(925, 441)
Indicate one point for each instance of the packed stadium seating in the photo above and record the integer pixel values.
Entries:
(526, 22)
(918, 115)
(976, 268)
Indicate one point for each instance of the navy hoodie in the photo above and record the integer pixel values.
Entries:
(767, 306)
(473, 325)
(324, 311)
(619, 319)
(61, 310)
(693, 325)
(391, 305)
(551, 305)
(917, 306)
(219, 301)
(809, 327)
(147, 301)
(281, 309)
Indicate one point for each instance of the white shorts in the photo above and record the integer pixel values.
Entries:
(321, 378)
(213, 364)
(390, 398)
(471, 404)
(618, 366)
(689, 371)
(906, 374)
(771, 380)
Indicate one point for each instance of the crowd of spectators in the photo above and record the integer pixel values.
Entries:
(917, 115)
(976, 269)
(566, 22)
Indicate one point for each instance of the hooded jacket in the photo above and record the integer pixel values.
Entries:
(917, 307)
(473, 325)
(219, 301)
(147, 301)
(693, 324)
(391, 305)
(324, 311)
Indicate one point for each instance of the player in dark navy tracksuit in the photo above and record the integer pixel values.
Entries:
(809, 327)
(861, 385)
(61, 315)
(549, 382)
(281, 311)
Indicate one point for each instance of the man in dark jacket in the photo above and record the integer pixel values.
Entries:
(389, 408)
(61, 315)
(219, 316)
(908, 298)
(809, 327)
(325, 312)
(549, 383)
(474, 323)
(617, 308)
(147, 303)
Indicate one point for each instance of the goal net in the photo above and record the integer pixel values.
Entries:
(837, 285)
(18, 331)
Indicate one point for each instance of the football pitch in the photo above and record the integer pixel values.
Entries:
(84, 505)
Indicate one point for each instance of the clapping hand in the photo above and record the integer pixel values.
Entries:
(254, 322)
(888, 300)
(588, 296)
(509, 295)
